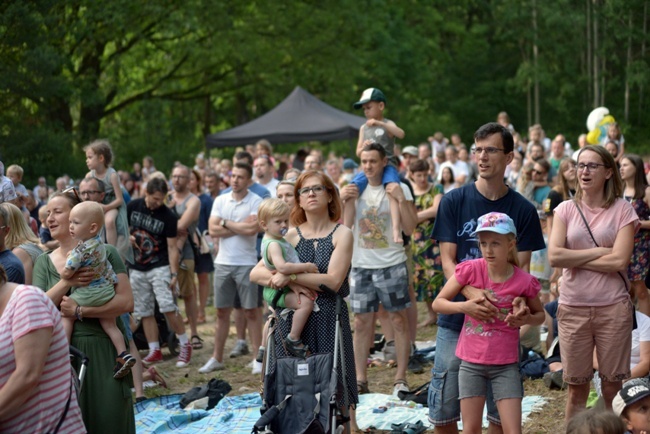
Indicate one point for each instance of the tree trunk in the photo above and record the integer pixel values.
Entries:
(645, 31)
(596, 61)
(626, 111)
(535, 63)
(589, 53)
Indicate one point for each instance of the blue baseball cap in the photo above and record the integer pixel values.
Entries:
(495, 222)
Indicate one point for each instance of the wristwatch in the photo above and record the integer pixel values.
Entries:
(174, 275)
(293, 277)
(223, 224)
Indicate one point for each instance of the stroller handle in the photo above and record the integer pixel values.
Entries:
(80, 355)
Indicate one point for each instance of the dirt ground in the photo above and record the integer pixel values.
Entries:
(549, 420)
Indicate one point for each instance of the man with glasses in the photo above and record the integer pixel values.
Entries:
(379, 273)
(456, 220)
(93, 189)
(234, 222)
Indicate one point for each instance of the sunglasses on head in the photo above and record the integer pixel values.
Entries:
(74, 192)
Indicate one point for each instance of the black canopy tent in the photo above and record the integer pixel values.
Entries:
(301, 117)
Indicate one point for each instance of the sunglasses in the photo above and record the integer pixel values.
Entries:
(74, 192)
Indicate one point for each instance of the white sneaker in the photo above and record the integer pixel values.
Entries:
(257, 367)
(212, 365)
(241, 349)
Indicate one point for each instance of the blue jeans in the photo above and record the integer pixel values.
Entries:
(444, 406)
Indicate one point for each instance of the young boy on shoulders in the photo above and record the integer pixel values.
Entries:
(377, 129)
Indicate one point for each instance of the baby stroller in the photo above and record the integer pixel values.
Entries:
(165, 335)
(299, 395)
(83, 366)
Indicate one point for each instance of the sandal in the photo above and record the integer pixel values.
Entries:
(295, 348)
(200, 319)
(197, 342)
(362, 387)
(156, 377)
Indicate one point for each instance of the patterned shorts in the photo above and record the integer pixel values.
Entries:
(388, 286)
(149, 284)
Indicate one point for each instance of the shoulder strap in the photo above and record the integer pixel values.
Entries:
(586, 224)
(594, 240)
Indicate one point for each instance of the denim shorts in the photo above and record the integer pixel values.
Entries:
(444, 406)
(474, 378)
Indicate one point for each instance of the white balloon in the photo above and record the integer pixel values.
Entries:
(595, 117)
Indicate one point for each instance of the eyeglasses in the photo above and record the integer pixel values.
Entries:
(89, 192)
(316, 189)
(488, 149)
(179, 176)
(590, 166)
(538, 172)
(74, 191)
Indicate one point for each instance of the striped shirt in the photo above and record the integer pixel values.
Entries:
(29, 309)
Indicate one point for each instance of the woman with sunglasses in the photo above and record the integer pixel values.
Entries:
(593, 239)
(106, 404)
(319, 239)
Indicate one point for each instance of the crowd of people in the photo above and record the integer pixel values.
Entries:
(503, 241)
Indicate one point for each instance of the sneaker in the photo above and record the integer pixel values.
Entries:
(212, 365)
(260, 355)
(185, 356)
(389, 351)
(123, 365)
(257, 367)
(400, 386)
(154, 356)
(241, 349)
(415, 366)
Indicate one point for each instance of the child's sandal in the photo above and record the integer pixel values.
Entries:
(294, 347)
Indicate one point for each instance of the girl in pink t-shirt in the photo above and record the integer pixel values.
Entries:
(489, 351)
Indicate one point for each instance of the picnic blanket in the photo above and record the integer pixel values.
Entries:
(232, 415)
(383, 421)
(238, 414)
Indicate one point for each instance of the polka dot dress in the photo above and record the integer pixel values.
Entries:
(319, 332)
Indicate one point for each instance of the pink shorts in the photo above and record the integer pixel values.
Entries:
(608, 329)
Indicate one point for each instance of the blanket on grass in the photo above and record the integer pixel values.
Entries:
(238, 414)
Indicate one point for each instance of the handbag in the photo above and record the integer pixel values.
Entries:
(634, 325)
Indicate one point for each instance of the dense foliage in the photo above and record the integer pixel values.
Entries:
(155, 77)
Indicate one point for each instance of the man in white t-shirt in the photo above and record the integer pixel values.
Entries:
(379, 272)
(458, 167)
(234, 222)
(264, 172)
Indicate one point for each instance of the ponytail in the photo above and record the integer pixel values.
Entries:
(513, 257)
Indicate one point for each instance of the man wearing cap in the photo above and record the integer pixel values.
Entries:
(632, 405)
(455, 222)
(409, 154)
(349, 170)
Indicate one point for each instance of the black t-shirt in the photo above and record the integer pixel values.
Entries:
(553, 199)
(151, 229)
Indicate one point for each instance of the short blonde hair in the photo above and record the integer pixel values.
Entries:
(16, 170)
(270, 208)
(91, 211)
